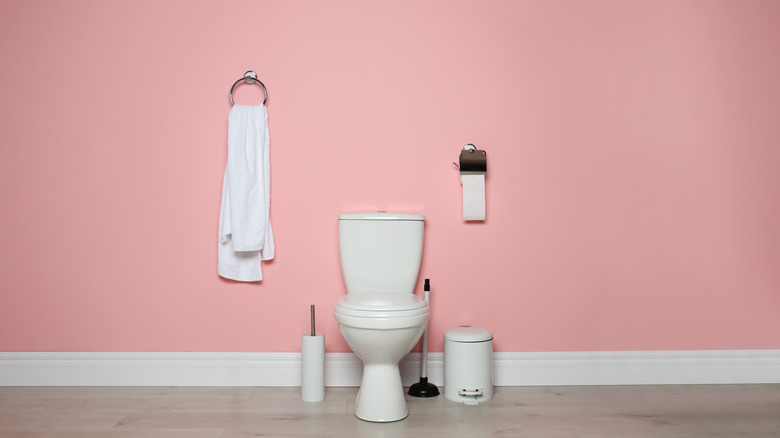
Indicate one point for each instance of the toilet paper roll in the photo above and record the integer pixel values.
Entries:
(473, 197)
(312, 368)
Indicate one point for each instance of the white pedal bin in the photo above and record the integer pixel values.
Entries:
(468, 365)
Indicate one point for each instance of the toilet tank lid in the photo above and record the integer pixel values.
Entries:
(382, 216)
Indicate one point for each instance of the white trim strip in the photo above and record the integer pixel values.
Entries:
(345, 369)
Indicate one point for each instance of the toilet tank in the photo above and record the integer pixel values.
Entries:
(380, 252)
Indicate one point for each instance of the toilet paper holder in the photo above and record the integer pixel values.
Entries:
(473, 161)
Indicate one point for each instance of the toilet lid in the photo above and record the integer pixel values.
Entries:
(381, 304)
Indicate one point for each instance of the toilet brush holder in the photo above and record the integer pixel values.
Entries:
(313, 367)
(312, 364)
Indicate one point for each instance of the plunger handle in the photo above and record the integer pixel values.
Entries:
(424, 372)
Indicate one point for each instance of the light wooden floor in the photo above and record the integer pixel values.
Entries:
(587, 412)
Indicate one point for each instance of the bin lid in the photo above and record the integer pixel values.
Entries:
(468, 334)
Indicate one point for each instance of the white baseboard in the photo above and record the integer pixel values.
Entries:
(345, 369)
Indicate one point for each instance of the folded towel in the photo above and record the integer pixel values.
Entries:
(245, 234)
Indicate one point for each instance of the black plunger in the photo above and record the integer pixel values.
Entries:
(423, 388)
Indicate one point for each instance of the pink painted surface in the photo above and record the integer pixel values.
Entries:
(633, 195)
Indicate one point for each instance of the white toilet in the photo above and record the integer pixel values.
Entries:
(380, 317)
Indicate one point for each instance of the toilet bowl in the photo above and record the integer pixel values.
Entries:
(381, 335)
(380, 317)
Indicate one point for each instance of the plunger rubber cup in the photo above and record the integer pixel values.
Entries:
(423, 389)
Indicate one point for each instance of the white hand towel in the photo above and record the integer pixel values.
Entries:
(245, 234)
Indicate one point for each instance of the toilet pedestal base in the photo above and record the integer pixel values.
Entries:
(381, 396)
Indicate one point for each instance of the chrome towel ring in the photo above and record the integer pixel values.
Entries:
(250, 77)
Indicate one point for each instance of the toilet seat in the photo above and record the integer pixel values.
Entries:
(381, 305)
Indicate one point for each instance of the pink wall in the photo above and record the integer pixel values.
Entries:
(633, 193)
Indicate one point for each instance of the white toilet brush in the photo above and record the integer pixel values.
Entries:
(423, 388)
